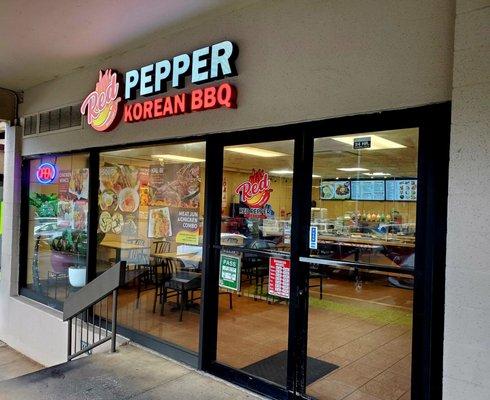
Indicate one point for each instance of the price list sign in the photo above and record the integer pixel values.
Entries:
(279, 273)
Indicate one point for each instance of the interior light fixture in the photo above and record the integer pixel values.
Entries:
(288, 172)
(376, 173)
(353, 169)
(175, 157)
(255, 151)
(377, 142)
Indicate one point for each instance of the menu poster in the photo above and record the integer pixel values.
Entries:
(175, 185)
(279, 274)
(185, 224)
(80, 212)
(335, 190)
(368, 190)
(401, 190)
(65, 214)
(78, 184)
(64, 178)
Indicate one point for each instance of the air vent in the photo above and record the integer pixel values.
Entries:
(30, 125)
(61, 118)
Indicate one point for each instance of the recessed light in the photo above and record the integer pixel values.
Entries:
(174, 157)
(353, 169)
(255, 151)
(377, 142)
(376, 173)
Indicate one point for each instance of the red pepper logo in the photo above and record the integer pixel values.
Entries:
(102, 105)
(255, 192)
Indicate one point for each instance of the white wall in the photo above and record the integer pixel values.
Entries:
(467, 318)
(299, 60)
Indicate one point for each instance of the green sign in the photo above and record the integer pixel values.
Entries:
(229, 271)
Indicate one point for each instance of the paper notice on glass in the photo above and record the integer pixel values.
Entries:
(279, 275)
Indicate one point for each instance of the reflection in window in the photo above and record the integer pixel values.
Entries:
(57, 235)
(151, 205)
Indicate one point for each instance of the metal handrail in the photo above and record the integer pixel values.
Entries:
(78, 306)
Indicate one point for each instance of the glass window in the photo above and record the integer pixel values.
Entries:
(362, 248)
(151, 206)
(57, 232)
(255, 263)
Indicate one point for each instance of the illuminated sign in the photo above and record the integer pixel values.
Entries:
(101, 105)
(255, 192)
(46, 173)
(104, 108)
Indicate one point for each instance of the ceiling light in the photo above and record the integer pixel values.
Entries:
(377, 174)
(174, 157)
(281, 172)
(377, 142)
(255, 151)
(288, 172)
(353, 169)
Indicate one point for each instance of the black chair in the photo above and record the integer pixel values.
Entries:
(316, 273)
(161, 246)
(180, 286)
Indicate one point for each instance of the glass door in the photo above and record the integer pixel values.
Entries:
(254, 259)
(361, 262)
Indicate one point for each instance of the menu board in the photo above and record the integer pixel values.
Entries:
(335, 190)
(279, 274)
(401, 190)
(368, 190)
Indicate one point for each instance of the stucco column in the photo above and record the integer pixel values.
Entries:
(467, 319)
(11, 220)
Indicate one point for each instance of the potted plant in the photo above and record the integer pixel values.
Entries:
(69, 252)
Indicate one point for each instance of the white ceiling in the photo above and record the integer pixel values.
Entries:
(43, 39)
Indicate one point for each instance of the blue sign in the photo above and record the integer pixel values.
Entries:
(46, 173)
(313, 237)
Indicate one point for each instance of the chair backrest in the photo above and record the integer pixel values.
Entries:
(161, 246)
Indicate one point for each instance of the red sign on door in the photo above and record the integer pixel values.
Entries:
(279, 273)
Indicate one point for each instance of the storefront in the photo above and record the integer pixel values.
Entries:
(288, 257)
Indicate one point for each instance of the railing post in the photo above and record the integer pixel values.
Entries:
(69, 337)
(114, 320)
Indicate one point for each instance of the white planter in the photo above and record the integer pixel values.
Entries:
(77, 276)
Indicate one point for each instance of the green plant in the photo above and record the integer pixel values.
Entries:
(46, 205)
(71, 241)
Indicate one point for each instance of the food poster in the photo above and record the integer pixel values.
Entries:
(64, 177)
(175, 185)
(80, 213)
(119, 198)
(179, 224)
(65, 214)
(159, 224)
(174, 199)
(78, 184)
(335, 190)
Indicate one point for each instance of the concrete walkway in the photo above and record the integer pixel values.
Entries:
(131, 373)
(14, 364)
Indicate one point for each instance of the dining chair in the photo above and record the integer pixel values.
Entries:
(161, 246)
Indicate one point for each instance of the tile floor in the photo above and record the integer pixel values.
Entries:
(366, 332)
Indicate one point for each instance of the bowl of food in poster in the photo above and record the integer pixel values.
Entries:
(327, 191)
(105, 222)
(107, 200)
(117, 223)
(128, 200)
(342, 190)
(159, 224)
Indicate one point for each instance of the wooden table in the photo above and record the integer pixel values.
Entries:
(119, 246)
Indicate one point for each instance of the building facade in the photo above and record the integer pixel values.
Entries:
(373, 114)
